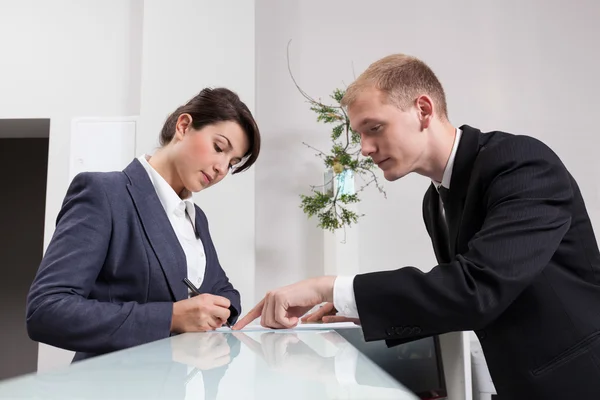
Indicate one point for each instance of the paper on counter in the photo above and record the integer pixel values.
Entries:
(300, 327)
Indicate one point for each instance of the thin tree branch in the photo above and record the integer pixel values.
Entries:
(304, 94)
(379, 187)
(347, 131)
(315, 149)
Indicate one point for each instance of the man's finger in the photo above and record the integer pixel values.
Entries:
(268, 316)
(319, 314)
(281, 317)
(337, 318)
(265, 312)
(327, 309)
(314, 317)
(251, 316)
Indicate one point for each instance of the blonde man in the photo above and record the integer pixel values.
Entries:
(518, 260)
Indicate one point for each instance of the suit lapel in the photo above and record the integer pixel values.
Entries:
(158, 229)
(467, 152)
(434, 225)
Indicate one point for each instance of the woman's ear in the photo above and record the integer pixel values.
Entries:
(184, 123)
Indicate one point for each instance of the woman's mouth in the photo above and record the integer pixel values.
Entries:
(207, 179)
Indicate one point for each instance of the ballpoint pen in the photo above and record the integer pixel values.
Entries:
(191, 286)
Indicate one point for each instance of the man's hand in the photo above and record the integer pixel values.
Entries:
(339, 318)
(326, 314)
(205, 312)
(282, 308)
(325, 310)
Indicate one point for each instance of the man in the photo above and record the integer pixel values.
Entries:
(518, 260)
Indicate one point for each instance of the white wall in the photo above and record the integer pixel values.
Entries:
(63, 59)
(190, 45)
(525, 67)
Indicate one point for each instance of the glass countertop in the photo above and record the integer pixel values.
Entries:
(220, 365)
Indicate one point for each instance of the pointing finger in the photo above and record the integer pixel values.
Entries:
(251, 316)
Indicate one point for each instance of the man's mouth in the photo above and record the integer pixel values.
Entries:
(381, 162)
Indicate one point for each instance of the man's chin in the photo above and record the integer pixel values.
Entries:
(391, 175)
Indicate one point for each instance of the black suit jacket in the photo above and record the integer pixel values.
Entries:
(519, 265)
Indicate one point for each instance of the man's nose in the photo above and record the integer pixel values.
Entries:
(366, 148)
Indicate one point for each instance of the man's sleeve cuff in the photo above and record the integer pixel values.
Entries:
(343, 297)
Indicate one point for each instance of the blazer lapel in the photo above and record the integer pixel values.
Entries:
(467, 152)
(158, 228)
(435, 225)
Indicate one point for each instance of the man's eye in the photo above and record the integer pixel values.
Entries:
(218, 149)
(375, 128)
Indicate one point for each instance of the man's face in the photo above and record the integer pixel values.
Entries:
(393, 138)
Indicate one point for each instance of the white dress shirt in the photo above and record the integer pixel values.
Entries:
(182, 215)
(343, 287)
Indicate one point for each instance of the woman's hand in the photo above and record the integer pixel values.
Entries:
(205, 312)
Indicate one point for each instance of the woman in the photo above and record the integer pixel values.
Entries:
(113, 274)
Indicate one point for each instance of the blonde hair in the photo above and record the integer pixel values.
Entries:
(403, 78)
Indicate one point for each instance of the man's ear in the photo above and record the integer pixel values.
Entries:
(184, 122)
(424, 106)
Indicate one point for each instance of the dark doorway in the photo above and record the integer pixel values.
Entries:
(23, 175)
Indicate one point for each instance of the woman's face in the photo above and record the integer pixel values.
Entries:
(204, 157)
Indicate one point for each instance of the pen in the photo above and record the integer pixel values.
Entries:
(191, 286)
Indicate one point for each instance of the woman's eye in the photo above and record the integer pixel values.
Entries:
(218, 149)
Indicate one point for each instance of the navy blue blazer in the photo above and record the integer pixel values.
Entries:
(114, 267)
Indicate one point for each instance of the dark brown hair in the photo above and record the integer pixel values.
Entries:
(211, 106)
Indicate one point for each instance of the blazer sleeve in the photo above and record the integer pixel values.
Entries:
(222, 286)
(527, 192)
(59, 312)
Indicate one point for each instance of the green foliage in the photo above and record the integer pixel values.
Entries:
(324, 203)
(337, 132)
(326, 206)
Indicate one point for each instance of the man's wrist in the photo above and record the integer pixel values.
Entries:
(325, 285)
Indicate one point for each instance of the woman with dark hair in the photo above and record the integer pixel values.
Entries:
(132, 260)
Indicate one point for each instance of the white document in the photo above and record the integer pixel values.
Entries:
(299, 327)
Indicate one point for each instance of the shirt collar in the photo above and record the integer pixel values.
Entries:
(447, 177)
(170, 201)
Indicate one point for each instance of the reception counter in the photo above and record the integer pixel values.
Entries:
(320, 364)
